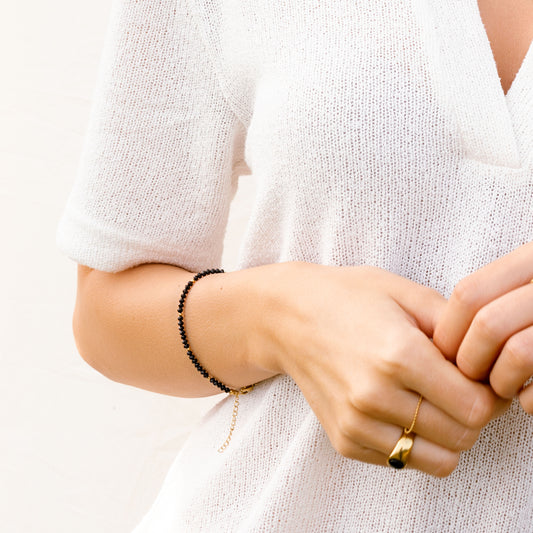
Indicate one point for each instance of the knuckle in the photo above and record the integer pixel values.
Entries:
(395, 359)
(344, 446)
(467, 439)
(480, 412)
(446, 465)
(346, 425)
(519, 351)
(527, 406)
(466, 293)
(367, 399)
(488, 322)
(390, 361)
(408, 340)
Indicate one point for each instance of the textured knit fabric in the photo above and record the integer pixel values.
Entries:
(379, 134)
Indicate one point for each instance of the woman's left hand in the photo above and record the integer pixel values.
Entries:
(486, 326)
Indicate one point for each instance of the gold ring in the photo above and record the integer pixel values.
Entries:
(400, 454)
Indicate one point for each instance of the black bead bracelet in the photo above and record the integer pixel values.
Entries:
(194, 360)
(183, 335)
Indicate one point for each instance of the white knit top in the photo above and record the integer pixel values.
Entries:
(379, 134)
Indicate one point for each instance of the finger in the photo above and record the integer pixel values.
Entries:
(399, 409)
(526, 399)
(478, 289)
(378, 439)
(514, 366)
(440, 382)
(432, 459)
(491, 327)
(424, 304)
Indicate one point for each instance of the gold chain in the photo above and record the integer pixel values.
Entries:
(235, 393)
(412, 426)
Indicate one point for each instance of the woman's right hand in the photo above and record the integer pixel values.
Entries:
(356, 340)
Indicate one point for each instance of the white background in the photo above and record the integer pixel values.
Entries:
(78, 453)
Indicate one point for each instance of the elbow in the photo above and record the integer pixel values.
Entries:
(82, 335)
(84, 326)
(87, 336)
(79, 335)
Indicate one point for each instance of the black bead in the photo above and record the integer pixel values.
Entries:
(181, 326)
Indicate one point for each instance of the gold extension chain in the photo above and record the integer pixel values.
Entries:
(232, 425)
(235, 393)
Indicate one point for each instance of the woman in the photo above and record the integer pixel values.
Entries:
(382, 305)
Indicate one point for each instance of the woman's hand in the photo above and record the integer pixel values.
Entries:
(487, 325)
(356, 340)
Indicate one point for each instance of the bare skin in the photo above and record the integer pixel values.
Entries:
(356, 340)
(509, 27)
(487, 325)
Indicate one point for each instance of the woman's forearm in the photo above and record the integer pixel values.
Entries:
(125, 326)
(356, 340)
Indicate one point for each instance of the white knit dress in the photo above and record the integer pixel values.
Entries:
(379, 134)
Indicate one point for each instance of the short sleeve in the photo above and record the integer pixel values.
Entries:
(159, 163)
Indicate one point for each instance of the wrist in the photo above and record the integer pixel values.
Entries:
(275, 313)
(224, 326)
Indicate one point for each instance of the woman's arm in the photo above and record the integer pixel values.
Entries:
(125, 326)
(356, 340)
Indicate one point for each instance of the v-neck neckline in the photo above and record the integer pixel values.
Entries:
(489, 120)
(487, 46)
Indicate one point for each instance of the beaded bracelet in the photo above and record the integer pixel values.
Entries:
(196, 363)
